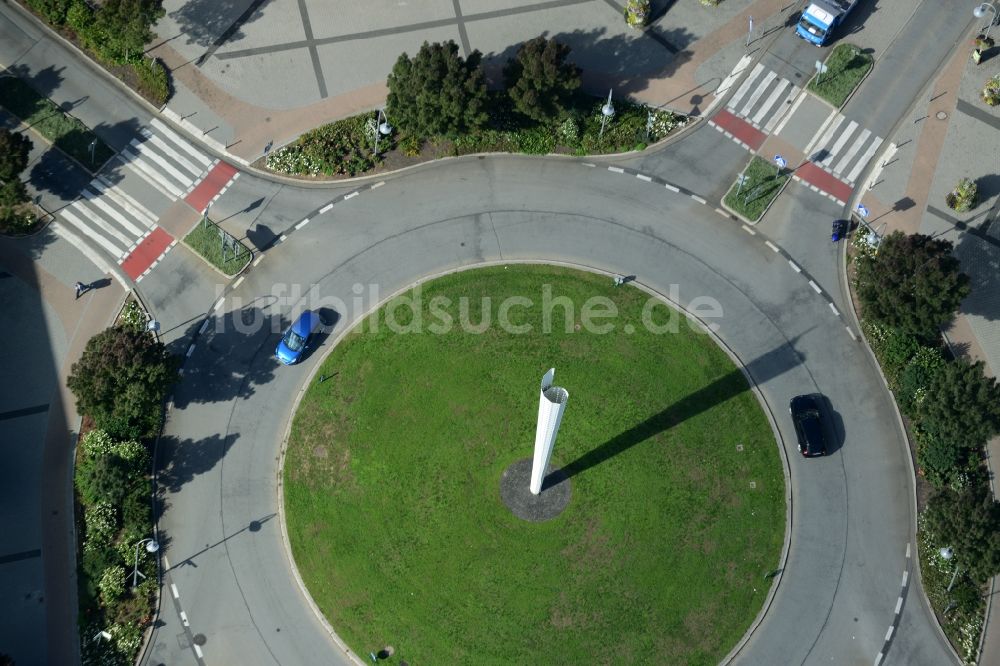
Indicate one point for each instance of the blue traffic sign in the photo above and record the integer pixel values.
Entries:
(780, 161)
(862, 211)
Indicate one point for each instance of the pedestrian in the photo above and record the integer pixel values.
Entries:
(80, 288)
(619, 280)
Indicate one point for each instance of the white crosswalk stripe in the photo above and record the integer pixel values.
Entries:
(110, 218)
(767, 96)
(842, 147)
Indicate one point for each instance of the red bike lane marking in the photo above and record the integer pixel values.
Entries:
(740, 129)
(211, 185)
(824, 180)
(146, 253)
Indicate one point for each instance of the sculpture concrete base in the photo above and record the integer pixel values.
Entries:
(546, 505)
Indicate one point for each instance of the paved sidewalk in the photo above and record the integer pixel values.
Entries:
(60, 339)
(684, 82)
(953, 135)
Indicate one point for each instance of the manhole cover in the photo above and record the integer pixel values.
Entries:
(941, 115)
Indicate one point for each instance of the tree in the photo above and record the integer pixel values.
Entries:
(121, 380)
(539, 80)
(122, 27)
(967, 521)
(961, 404)
(437, 92)
(14, 150)
(912, 284)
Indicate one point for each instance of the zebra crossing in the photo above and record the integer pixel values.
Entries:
(113, 219)
(840, 146)
(764, 113)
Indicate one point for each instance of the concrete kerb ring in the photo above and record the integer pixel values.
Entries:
(779, 441)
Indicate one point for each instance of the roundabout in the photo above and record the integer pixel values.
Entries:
(850, 513)
(396, 467)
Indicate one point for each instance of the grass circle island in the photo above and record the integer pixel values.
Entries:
(392, 479)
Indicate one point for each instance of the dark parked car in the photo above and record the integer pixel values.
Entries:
(296, 338)
(808, 420)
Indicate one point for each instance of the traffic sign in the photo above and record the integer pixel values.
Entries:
(780, 161)
(862, 211)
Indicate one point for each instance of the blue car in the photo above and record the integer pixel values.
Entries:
(296, 339)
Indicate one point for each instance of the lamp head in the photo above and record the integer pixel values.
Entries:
(947, 553)
(152, 546)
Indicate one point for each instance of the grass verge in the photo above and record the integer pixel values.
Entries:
(393, 467)
(847, 65)
(762, 183)
(205, 240)
(45, 117)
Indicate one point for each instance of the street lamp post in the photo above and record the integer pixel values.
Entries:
(607, 111)
(382, 128)
(947, 554)
(151, 547)
(980, 12)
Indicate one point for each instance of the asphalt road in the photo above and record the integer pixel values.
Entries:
(852, 511)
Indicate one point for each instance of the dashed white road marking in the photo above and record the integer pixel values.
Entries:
(795, 266)
(642, 176)
(173, 590)
(201, 331)
(699, 199)
(378, 184)
(749, 230)
(197, 651)
(258, 260)
(815, 287)
(184, 619)
(302, 224)
(671, 187)
(834, 308)
(190, 350)
(218, 304)
(238, 282)
(899, 604)
(772, 246)
(326, 208)
(351, 195)
(613, 169)
(854, 337)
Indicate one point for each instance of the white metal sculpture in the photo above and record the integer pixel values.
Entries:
(551, 405)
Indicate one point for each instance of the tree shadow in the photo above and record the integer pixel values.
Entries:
(772, 364)
(236, 354)
(212, 24)
(625, 62)
(181, 460)
(979, 251)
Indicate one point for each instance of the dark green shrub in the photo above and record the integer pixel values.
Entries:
(960, 404)
(912, 284)
(437, 92)
(121, 380)
(912, 384)
(53, 10)
(941, 461)
(154, 84)
(540, 81)
(969, 522)
(105, 480)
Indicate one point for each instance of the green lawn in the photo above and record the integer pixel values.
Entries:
(846, 66)
(763, 183)
(204, 239)
(45, 117)
(391, 484)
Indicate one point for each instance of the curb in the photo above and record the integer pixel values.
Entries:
(786, 468)
(909, 459)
